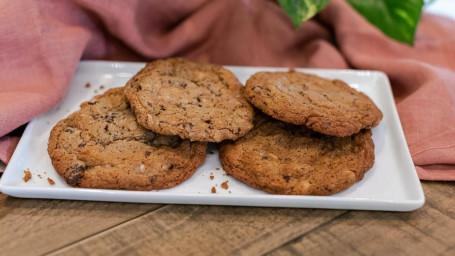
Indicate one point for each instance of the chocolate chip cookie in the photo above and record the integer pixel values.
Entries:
(327, 106)
(196, 101)
(282, 158)
(102, 146)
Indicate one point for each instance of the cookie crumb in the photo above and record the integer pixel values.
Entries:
(96, 91)
(87, 85)
(291, 70)
(213, 190)
(28, 175)
(101, 87)
(211, 176)
(39, 176)
(211, 152)
(230, 192)
(225, 185)
(51, 181)
(217, 169)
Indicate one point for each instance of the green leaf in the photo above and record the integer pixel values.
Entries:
(302, 10)
(397, 19)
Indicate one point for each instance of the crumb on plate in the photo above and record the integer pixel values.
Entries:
(28, 175)
(225, 185)
(51, 181)
(213, 190)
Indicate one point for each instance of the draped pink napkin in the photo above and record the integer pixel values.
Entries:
(41, 43)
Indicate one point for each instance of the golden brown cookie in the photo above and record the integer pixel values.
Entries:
(327, 106)
(196, 101)
(282, 158)
(102, 146)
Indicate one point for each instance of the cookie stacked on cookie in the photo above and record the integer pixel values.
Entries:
(312, 138)
(195, 101)
(153, 133)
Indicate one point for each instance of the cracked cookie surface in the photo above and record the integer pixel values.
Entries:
(282, 158)
(196, 101)
(327, 106)
(102, 146)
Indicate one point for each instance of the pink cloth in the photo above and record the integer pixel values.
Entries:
(42, 41)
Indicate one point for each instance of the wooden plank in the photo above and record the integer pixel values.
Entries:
(440, 195)
(32, 226)
(427, 231)
(206, 230)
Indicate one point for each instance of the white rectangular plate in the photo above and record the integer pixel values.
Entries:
(392, 184)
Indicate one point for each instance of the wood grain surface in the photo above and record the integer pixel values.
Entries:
(58, 227)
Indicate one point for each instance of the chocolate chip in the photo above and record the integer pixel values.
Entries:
(69, 130)
(265, 157)
(286, 178)
(81, 145)
(171, 167)
(75, 175)
(139, 87)
(208, 121)
(198, 99)
(106, 127)
(147, 153)
(162, 108)
(110, 117)
(150, 104)
(91, 102)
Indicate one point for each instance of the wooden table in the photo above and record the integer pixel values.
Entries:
(57, 227)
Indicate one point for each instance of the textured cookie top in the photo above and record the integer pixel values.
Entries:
(102, 146)
(196, 101)
(330, 107)
(282, 158)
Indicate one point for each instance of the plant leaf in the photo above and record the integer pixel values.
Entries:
(397, 19)
(302, 10)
